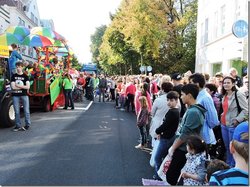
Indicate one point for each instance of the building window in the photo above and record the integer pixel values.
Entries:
(215, 24)
(216, 68)
(36, 20)
(32, 17)
(21, 22)
(223, 19)
(202, 34)
(206, 31)
(237, 10)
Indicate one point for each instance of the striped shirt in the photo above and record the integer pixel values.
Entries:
(232, 176)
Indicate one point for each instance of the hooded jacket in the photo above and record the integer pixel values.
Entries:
(191, 123)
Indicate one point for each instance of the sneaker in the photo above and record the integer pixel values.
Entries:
(139, 146)
(19, 129)
(26, 127)
(16, 129)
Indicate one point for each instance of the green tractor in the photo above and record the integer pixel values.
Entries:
(7, 113)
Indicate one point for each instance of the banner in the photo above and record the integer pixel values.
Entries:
(4, 51)
(55, 90)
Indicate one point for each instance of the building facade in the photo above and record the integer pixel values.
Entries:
(22, 13)
(217, 47)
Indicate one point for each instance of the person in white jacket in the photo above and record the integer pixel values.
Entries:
(159, 109)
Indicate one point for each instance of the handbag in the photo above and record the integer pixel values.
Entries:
(164, 167)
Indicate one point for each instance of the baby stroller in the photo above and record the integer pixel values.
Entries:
(78, 93)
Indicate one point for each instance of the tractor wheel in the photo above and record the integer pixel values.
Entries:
(7, 113)
(46, 104)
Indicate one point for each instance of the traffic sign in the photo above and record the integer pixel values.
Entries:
(142, 68)
(149, 68)
(240, 28)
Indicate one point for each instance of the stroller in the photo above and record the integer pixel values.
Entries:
(78, 93)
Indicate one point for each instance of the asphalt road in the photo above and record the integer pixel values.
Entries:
(75, 147)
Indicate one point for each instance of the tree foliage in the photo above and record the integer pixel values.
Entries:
(160, 33)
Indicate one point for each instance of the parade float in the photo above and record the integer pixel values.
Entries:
(45, 75)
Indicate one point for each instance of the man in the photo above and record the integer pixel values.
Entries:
(234, 73)
(13, 59)
(191, 124)
(103, 85)
(177, 81)
(20, 84)
(203, 98)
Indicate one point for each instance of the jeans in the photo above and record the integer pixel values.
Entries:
(68, 98)
(162, 151)
(26, 105)
(143, 134)
(102, 94)
(227, 135)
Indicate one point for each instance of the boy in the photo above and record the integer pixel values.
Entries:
(166, 132)
(215, 165)
(20, 85)
(191, 123)
(239, 148)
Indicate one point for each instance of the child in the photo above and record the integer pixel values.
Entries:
(166, 132)
(142, 120)
(239, 147)
(194, 171)
(215, 165)
(191, 123)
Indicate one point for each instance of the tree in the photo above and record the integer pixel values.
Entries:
(96, 41)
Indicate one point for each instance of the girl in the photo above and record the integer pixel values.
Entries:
(231, 116)
(194, 171)
(142, 120)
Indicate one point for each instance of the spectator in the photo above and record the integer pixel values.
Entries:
(231, 116)
(194, 171)
(142, 120)
(245, 87)
(177, 81)
(159, 110)
(234, 73)
(239, 147)
(215, 165)
(20, 85)
(212, 90)
(166, 132)
(211, 117)
(191, 123)
(103, 85)
(218, 82)
(130, 95)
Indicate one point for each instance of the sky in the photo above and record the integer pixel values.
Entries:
(77, 20)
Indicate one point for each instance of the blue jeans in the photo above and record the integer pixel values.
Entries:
(68, 98)
(26, 105)
(143, 134)
(162, 151)
(227, 135)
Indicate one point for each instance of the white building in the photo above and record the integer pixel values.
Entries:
(20, 12)
(49, 23)
(217, 47)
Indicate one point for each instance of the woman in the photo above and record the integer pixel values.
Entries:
(67, 88)
(231, 117)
